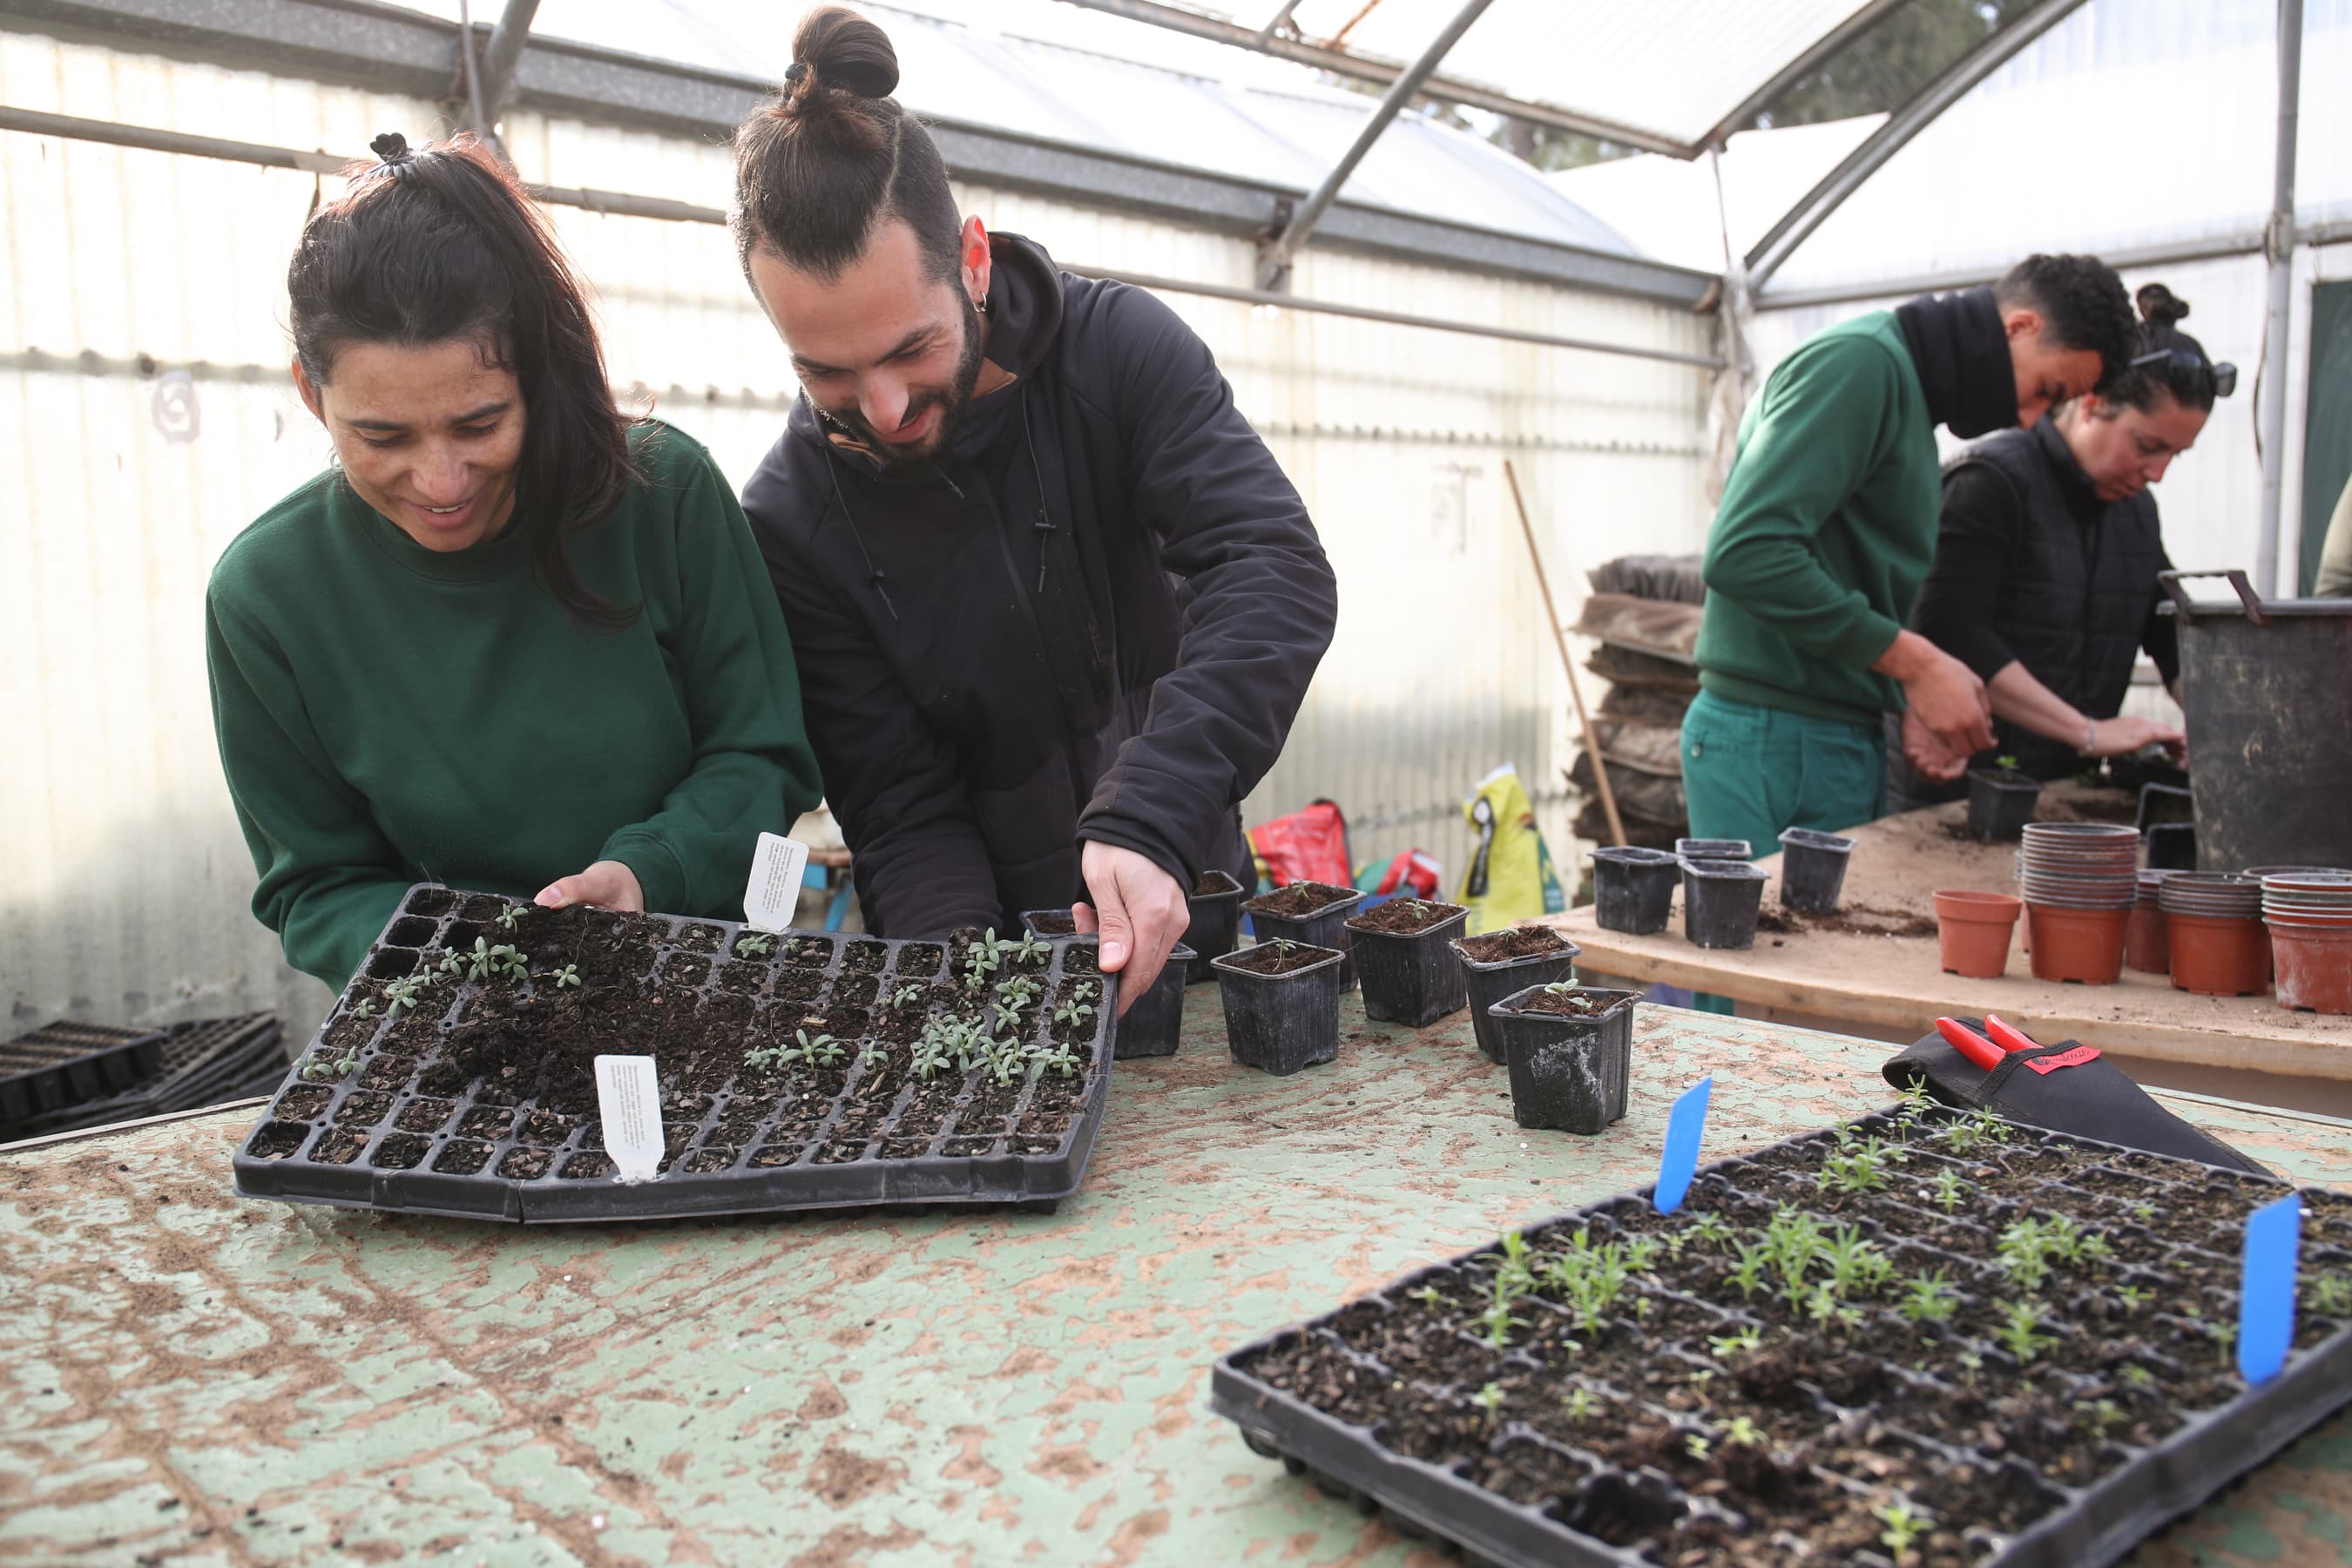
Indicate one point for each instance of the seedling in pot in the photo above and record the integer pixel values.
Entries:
(2016, 1334)
(1951, 1192)
(1073, 1013)
(364, 1008)
(2134, 1296)
(1855, 1171)
(404, 993)
(934, 1052)
(1580, 1404)
(1696, 1446)
(1905, 1526)
(1489, 1398)
(326, 1070)
(1004, 1060)
(980, 962)
(1741, 1431)
(1033, 949)
(905, 997)
(754, 944)
(1496, 1323)
(1929, 1298)
(1746, 1340)
(567, 975)
(1061, 1059)
(2332, 1295)
(508, 917)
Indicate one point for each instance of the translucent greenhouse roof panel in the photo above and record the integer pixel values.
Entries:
(1670, 70)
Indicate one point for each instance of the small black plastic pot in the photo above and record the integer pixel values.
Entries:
(1568, 1073)
(1280, 1023)
(2001, 803)
(1487, 983)
(1634, 889)
(2172, 846)
(1326, 926)
(1049, 922)
(1812, 869)
(1153, 1024)
(2161, 803)
(1216, 924)
(1410, 978)
(1714, 849)
(1721, 900)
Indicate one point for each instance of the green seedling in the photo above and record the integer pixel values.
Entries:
(364, 1008)
(326, 1070)
(904, 997)
(1488, 1399)
(1916, 1106)
(1950, 1190)
(2017, 1333)
(402, 994)
(1005, 1059)
(1074, 1013)
(1749, 1274)
(932, 1054)
(1742, 1431)
(1033, 949)
(2137, 1377)
(2102, 1413)
(980, 962)
(1696, 1446)
(818, 1050)
(2331, 1294)
(1856, 1170)
(1496, 1323)
(1060, 1059)
(1744, 1341)
(1430, 1296)
(2142, 1212)
(1514, 1276)
(2225, 1335)
(1713, 1229)
(508, 917)
(754, 944)
(1929, 1298)
(1580, 1404)
(1641, 1254)
(1905, 1526)
(567, 975)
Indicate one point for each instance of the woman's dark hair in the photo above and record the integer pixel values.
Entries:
(2189, 380)
(830, 153)
(2083, 303)
(438, 243)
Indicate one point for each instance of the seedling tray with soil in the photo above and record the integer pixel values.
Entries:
(1921, 1339)
(64, 1064)
(797, 1069)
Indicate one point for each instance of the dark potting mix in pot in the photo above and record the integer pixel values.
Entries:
(1407, 974)
(1313, 912)
(1496, 963)
(1570, 1049)
(2002, 801)
(456, 1073)
(1924, 1339)
(1282, 1004)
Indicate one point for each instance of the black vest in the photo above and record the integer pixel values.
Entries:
(2078, 592)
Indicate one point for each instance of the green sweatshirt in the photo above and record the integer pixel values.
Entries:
(1826, 529)
(390, 715)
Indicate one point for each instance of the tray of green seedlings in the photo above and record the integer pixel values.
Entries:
(795, 1070)
(1920, 1339)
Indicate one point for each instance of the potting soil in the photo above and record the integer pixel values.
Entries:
(1989, 1344)
(1402, 917)
(1519, 941)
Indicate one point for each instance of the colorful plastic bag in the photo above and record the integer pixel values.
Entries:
(1310, 845)
(1510, 876)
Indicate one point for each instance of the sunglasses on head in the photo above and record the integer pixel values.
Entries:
(2224, 376)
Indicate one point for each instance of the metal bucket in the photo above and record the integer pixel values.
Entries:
(2267, 689)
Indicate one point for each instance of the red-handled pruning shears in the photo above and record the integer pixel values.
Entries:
(1979, 1050)
(1988, 1054)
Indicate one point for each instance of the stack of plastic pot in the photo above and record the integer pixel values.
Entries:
(2145, 947)
(2310, 919)
(2213, 929)
(2079, 880)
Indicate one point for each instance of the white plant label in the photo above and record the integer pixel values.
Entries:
(628, 1098)
(774, 891)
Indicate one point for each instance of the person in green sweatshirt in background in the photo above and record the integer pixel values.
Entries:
(513, 640)
(1824, 534)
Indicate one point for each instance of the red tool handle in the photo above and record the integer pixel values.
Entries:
(2008, 1038)
(1970, 1044)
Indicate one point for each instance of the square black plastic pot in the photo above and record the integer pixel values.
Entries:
(1568, 1074)
(1714, 849)
(1216, 924)
(1488, 983)
(1049, 922)
(1812, 869)
(1721, 900)
(1414, 978)
(1634, 887)
(1281, 1024)
(1326, 926)
(1153, 1024)
(2172, 846)
(1999, 808)
(2162, 802)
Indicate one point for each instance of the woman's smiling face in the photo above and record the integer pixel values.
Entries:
(430, 437)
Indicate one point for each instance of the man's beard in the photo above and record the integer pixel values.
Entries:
(948, 399)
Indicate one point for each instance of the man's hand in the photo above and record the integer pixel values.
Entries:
(1140, 911)
(1928, 755)
(1943, 694)
(2113, 737)
(607, 884)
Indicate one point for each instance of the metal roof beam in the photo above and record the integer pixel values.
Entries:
(1341, 62)
(1804, 65)
(1274, 261)
(1798, 224)
(504, 54)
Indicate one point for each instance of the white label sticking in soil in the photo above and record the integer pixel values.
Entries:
(628, 1098)
(774, 891)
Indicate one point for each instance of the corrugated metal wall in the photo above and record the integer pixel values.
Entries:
(146, 418)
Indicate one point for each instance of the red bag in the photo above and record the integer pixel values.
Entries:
(1415, 869)
(1309, 845)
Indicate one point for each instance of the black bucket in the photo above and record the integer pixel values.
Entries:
(1999, 807)
(1634, 889)
(1413, 978)
(1568, 1073)
(1487, 983)
(1216, 924)
(1326, 926)
(1280, 1024)
(2270, 724)
(1721, 900)
(1153, 1024)
(1812, 869)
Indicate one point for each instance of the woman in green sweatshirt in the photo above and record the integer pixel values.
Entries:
(513, 640)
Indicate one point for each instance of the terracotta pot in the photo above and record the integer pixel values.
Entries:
(2081, 945)
(2314, 967)
(2217, 957)
(2145, 948)
(1974, 930)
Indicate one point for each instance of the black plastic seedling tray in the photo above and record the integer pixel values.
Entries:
(62, 1065)
(1616, 1436)
(481, 1101)
(199, 1064)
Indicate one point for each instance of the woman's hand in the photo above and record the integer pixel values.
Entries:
(2113, 737)
(607, 884)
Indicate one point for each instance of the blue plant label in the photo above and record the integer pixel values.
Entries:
(2266, 1291)
(1684, 1124)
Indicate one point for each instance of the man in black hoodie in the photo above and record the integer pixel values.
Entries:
(1054, 604)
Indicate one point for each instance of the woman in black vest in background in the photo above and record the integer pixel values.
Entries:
(2044, 577)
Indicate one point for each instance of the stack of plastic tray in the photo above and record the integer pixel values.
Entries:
(207, 1062)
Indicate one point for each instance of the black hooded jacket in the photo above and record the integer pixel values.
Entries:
(1093, 617)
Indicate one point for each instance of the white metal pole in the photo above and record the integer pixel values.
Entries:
(2278, 246)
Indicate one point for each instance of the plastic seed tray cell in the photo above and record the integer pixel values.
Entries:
(456, 1074)
(63, 1064)
(1972, 1341)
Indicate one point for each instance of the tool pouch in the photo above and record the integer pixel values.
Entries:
(2066, 1088)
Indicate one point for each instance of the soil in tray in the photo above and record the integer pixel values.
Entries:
(1625, 1344)
(1402, 917)
(1519, 942)
(1298, 899)
(1053, 924)
(1277, 958)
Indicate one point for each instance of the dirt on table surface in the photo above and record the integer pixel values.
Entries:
(1854, 919)
(1299, 899)
(1402, 917)
(1519, 941)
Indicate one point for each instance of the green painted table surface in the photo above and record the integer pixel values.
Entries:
(191, 1377)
